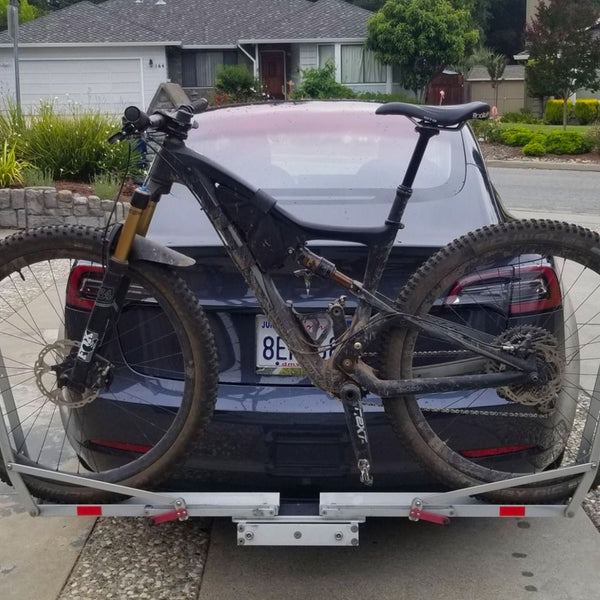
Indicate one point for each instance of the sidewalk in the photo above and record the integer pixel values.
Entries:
(36, 555)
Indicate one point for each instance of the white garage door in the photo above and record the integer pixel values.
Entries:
(105, 84)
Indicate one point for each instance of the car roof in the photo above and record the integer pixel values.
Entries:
(317, 140)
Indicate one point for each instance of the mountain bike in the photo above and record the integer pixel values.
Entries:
(508, 311)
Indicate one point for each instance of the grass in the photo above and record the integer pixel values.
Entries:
(33, 177)
(106, 185)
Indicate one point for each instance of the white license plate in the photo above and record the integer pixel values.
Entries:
(273, 357)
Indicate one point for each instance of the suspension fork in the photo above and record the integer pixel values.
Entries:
(112, 292)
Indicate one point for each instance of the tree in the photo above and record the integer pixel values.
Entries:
(495, 64)
(421, 38)
(27, 12)
(564, 52)
(505, 28)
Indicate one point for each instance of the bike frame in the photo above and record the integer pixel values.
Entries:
(344, 374)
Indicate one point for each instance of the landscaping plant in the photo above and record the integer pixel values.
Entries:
(11, 169)
(73, 146)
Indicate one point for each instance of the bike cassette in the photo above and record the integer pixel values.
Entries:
(528, 340)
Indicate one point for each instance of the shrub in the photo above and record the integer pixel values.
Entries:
(533, 149)
(73, 146)
(381, 97)
(107, 185)
(554, 111)
(12, 126)
(33, 177)
(586, 111)
(321, 84)
(235, 83)
(11, 169)
(517, 136)
(523, 116)
(567, 142)
(593, 139)
(487, 131)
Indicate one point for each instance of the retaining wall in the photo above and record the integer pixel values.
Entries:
(39, 206)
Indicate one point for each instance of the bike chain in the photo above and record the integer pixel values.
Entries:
(467, 411)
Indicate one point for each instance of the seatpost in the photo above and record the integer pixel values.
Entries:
(404, 190)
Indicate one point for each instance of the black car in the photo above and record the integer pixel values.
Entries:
(332, 163)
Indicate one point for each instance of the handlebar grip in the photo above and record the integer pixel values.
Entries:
(199, 106)
(139, 119)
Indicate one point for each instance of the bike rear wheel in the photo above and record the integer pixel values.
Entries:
(159, 356)
(535, 287)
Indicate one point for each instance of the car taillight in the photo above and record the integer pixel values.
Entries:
(83, 286)
(524, 289)
(85, 282)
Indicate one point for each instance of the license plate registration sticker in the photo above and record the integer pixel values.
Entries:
(273, 357)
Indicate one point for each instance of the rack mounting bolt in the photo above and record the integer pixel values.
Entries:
(249, 535)
(347, 363)
(354, 541)
(357, 346)
(241, 528)
(339, 536)
(354, 528)
(297, 534)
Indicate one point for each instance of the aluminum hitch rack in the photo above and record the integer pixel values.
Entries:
(262, 518)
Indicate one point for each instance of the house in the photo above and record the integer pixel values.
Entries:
(511, 88)
(117, 53)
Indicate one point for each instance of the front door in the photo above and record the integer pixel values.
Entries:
(272, 69)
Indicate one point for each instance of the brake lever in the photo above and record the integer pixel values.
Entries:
(117, 137)
(128, 130)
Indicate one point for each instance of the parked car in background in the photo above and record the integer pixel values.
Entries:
(332, 163)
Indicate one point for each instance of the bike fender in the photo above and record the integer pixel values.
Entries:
(151, 251)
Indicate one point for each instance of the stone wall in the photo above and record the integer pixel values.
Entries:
(39, 206)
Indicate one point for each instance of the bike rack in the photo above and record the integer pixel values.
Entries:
(260, 517)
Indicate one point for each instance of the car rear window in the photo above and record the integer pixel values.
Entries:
(329, 148)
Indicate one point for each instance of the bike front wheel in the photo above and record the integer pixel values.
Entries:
(157, 363)
(532, 288)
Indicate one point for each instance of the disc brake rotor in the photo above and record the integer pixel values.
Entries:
(550, 361)
(46, 379)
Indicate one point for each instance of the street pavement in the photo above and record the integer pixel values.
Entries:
(495, 559)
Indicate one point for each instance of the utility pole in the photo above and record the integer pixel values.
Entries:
(13, 31)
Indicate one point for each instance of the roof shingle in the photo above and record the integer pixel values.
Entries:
(195, 22)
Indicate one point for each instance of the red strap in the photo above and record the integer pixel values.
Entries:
(421, 515)
(173, 515)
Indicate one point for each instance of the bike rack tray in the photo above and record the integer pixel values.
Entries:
(335, 521)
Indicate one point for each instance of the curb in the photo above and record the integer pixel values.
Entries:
(543, 164)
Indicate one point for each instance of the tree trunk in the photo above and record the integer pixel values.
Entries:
(564, 114)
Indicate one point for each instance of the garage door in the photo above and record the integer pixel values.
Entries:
(105, 84)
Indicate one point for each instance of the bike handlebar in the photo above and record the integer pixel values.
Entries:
(175, 122)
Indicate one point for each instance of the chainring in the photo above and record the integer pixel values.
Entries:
(527, 340)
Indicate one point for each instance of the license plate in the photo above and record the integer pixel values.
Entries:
(273, 357)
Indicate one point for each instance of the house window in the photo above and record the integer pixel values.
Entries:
(199, 69)
(326, 55)
(360, 66)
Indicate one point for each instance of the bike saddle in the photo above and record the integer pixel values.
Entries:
(439, 116)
